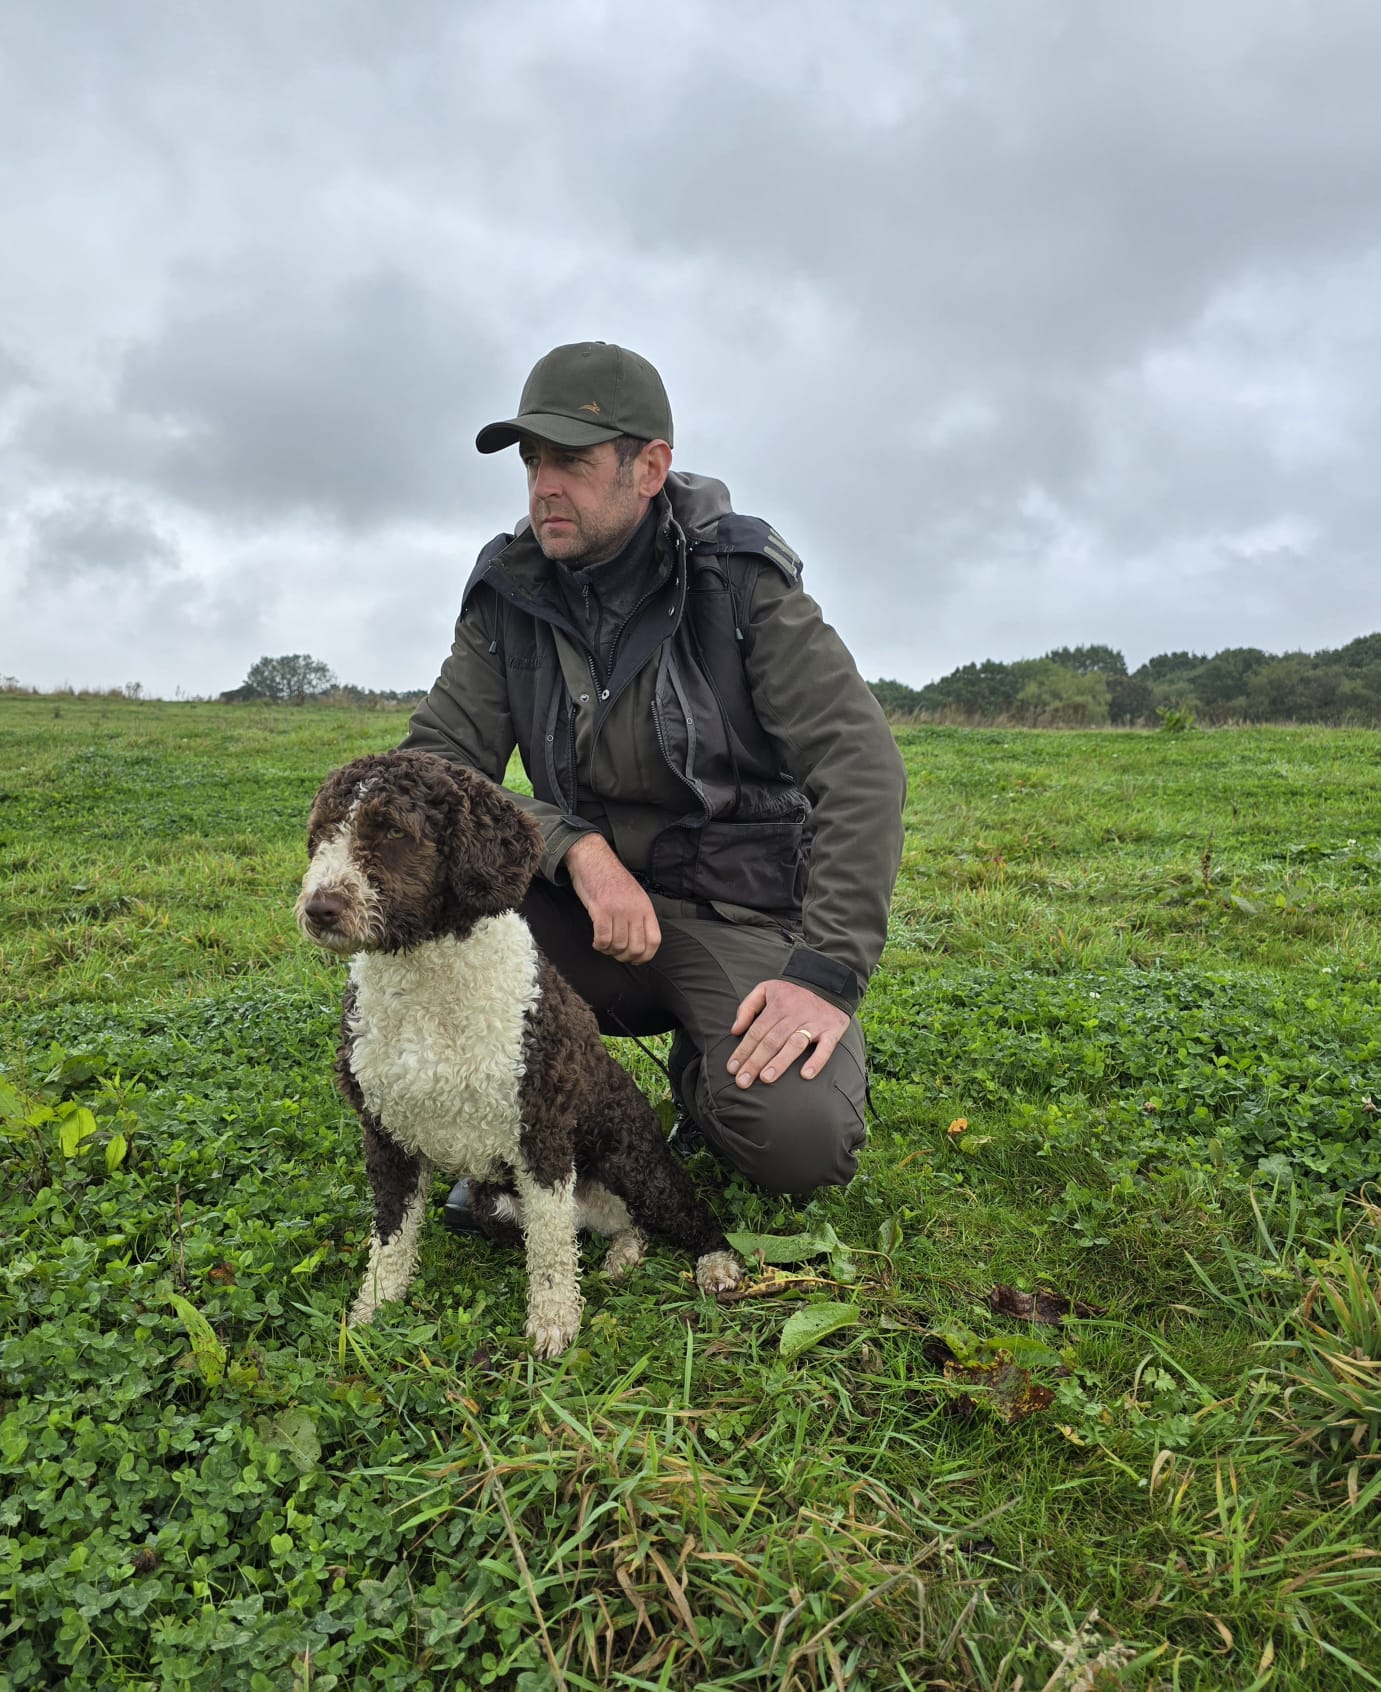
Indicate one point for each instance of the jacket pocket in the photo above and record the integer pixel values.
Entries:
(760, 864)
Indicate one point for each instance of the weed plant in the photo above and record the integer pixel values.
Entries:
(1125, 1052)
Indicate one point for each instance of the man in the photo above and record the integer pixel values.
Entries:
(718, 791)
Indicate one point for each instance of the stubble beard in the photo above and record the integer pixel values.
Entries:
(580, 544)
(591, 538)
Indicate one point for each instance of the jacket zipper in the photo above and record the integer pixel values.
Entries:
(676, 584)
(680, 775)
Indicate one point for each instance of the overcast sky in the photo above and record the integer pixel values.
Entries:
(1026, 324)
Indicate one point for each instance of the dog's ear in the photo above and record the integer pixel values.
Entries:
(494, 849)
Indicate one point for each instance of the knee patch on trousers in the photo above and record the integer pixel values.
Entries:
(790, 1137)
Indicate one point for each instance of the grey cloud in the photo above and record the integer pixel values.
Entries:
(914, 274)
(96, 535)
(1078, 198)
(14, 375)
(257, 400)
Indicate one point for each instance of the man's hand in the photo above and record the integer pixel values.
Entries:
(780, 1021)
(625, 924)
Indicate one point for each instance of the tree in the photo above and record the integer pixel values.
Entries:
(895, 696)
(1279, 691)
(983, 690)
(1169, 664)
(1053, 696)
(1360, 654)
(1086, 660)
(1223, 679)
(1129, 701)
(291, 679)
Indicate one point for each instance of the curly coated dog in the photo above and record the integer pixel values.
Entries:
(464, 1052)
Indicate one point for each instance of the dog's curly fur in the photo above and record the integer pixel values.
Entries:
(464, 1051)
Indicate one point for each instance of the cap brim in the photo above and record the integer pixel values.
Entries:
(543, 426)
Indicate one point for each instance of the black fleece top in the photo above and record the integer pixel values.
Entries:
(600, 598)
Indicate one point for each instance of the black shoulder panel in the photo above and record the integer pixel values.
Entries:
(487, 556)
(737, 533)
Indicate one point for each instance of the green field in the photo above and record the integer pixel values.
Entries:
(1126, 1049)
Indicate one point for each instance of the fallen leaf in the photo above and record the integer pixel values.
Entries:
(1049, 1308)
(1010, 1391)
(772, 1284)
(785, 1248)
(809, 1326)
(957, 1127)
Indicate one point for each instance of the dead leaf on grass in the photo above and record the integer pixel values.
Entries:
(1049, 1308)
(1008, 1389)
(773, 1284)
(957, 1127)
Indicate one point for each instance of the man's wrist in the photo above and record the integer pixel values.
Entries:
(559, 842)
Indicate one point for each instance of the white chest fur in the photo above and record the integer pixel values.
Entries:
(438, 1042)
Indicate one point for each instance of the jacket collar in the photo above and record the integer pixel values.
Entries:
(525, 573)
(689, 509)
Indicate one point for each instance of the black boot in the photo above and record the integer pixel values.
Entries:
(685, 1138)
(459, 1215)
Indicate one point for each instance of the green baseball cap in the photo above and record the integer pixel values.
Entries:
(585, 393)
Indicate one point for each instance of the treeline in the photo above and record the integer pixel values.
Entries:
(1087, 686)
(297, 677)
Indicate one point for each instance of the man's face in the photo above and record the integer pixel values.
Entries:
(582, 501)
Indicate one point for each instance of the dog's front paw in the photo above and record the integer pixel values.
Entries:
(361, 1313)
(625, 1253)
(551, 1336)
(718, 1272)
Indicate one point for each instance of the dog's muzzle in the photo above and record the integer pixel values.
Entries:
(337, 907)
(322, 915)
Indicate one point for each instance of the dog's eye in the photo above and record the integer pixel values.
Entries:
(397, 833)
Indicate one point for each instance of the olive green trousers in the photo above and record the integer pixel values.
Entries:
(787, 1136)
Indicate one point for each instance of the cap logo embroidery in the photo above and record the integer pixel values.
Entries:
(592, 406)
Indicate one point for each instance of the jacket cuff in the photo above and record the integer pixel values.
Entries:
(828, 977)
(561, 837)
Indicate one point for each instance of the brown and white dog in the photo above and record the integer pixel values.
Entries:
(465, 1053)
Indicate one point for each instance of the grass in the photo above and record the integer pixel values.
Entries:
(1125, 1046)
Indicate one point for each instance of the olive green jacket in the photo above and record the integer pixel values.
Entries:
(729, 685)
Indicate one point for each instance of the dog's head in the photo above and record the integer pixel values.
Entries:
(405, 847)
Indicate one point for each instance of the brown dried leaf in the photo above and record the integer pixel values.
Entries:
(773, 1284)
(1049, 1308)
(677, 1593)
(957, 1127)
(1010, 1391)
(633, 1596)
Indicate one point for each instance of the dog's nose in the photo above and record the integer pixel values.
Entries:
(324, 910)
